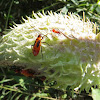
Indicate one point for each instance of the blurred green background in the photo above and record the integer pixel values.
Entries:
(13, 10)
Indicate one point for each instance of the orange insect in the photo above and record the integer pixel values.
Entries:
(59, 32)
(26, 73)
(30, 73)
(56, 31)
(37, 45)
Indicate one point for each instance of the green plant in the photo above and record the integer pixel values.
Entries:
(71, 60)
(14, 86)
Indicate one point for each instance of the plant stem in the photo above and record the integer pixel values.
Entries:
(8, 14)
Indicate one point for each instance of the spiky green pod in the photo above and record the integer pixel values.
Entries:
(72, 60)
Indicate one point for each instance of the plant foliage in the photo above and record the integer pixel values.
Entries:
(12, 10)
(14, 86)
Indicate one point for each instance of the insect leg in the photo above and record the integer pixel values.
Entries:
(41, 52)
(46, 43)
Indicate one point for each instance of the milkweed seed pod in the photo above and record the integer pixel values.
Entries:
(69, 57)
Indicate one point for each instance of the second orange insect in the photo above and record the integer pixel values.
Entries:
(37, 45)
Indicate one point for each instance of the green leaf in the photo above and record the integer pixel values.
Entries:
(32, 98)
(41, 94)
(64, 96)
(22, 83)
(75, 2)
(27, 98)
(96, 94)
(64, 10)
(98, 9)
(6, 80)
(81, 9)
(14, 95)
(18, 97)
